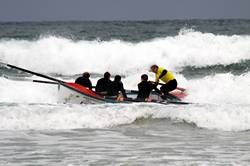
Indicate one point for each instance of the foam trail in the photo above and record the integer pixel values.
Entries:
(189, 48)
(40, 117)
(27, 92)
(59, 117)
(225, 117)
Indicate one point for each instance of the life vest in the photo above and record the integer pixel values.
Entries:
(166, 78)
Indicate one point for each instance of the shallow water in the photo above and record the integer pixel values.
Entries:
(144, 142)
(113, 134)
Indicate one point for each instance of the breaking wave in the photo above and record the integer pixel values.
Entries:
(64, 56)
(220, 93)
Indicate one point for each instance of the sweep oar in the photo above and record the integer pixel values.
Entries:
(31, 72)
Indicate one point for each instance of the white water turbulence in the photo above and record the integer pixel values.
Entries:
(34, 106)
(220, 88)
(66, 116)
(218, 104)
(220, 101)
(223, 117)
(26, 92)
(64, 56)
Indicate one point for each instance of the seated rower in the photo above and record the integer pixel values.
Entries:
(102, 84)
(84, 80)
(145, 87)
(116, 89)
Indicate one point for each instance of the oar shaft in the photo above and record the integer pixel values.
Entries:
(34, 73)
(45, 82)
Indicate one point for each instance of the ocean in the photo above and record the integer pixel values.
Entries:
(210, 58)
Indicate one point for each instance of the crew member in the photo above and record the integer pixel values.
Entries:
(165, 76)
(84, 80)
(116, 89)
(145, 87)
(103, 83)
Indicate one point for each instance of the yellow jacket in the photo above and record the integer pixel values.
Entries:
(166, 78)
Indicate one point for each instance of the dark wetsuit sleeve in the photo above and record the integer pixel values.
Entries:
(98, 87)
(140, 92)
(90, 85)
(77, 80)
(123, 91)
(153, 86)
(144, 90)
(84, 82)
(163, 73)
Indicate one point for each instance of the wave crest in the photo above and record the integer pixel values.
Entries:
(53, 54)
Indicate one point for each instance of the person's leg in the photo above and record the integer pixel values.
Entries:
(171, 85)
(164, 89)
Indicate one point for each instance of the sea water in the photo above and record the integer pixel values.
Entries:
(210, 58)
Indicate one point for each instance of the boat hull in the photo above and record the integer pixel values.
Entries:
(76, 94)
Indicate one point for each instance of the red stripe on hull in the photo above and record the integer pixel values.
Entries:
(83, 90)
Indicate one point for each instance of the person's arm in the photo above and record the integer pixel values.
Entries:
(123, 91)
(90, 85)
(163, 73)
(153, 86)
(77, 80)
(139, 91)
(97, 87)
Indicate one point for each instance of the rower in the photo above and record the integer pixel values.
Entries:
(84, 80)
(145, 87)
(102, 84)
(116, 90)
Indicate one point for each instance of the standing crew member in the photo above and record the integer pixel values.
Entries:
(84, 80)
(166, 76)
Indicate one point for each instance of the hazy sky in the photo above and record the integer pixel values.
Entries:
(51, 10)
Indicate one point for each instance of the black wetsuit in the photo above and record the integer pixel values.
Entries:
(84, 82)
(114, 88)
(171, 85)
(102, 86)
(145, 89)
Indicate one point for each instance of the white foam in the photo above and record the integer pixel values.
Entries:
(220, 102)
(220, 88)
(27, 92)
(39, 117)
(223, 98)
(227, 117)
(60, 55)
